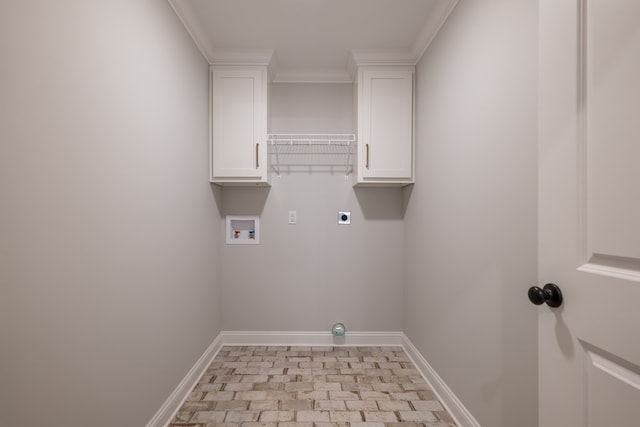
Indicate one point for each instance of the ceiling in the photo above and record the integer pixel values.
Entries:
(313, 40)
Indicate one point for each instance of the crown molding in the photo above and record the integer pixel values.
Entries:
(357, 58)
(367, 57)
(262, 57)
(246, 57)
(189, 19)
(404, 57)
(312, 76)
(378, 58)
(219, 56)
(431, 27)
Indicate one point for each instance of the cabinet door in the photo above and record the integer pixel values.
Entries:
(385, 124)
(238, 125)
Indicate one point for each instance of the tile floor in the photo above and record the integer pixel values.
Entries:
(312, 387)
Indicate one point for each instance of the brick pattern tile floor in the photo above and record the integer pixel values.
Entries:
(312, 387)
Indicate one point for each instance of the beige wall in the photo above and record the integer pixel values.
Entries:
(308, 276)
(470, 225)
(110, 231)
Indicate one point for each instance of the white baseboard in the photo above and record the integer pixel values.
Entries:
(452, 404)
(297, 338)
(170, 407)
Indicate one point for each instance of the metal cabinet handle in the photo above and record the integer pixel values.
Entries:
(257, 155)
(366, 165)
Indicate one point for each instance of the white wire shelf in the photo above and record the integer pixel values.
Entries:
(312, 152)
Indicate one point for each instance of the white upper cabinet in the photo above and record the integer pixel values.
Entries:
(385, 126)
(380, 63)
(239, 125)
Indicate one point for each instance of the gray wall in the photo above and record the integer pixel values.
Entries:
(109, 266)
(470, 225)
(112, 266)
(313, 274)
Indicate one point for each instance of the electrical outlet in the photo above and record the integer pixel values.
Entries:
(293, 217)
(344, 218)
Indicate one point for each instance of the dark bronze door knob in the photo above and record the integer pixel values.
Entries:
(550, 294)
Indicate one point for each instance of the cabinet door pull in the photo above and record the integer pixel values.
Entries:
(366, 165)
(257, 155)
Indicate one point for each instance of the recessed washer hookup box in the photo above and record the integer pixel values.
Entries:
(243, 230)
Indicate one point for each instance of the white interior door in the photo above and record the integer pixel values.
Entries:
(589, 116)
